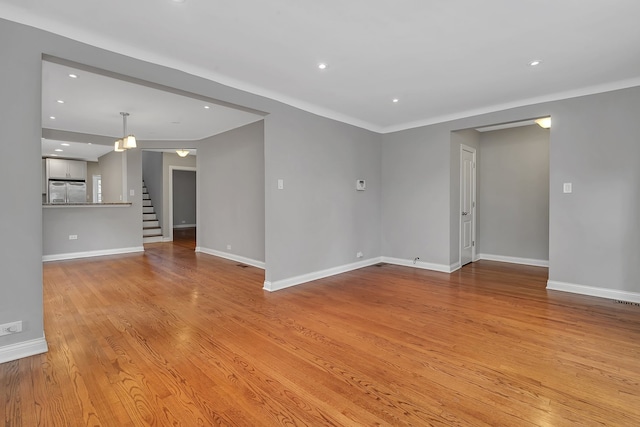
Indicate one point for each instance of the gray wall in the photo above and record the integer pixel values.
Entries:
(319, 221)
(97, 228)
(415, 195)
(152, 176)
(231, 183)
(112, 167)
(513, 193)
(21, 213)
(184, 198)
(93, 168)
(594, 231)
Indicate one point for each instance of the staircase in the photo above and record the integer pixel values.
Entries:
(151, 230)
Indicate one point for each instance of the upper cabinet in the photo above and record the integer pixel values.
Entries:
(66, 169)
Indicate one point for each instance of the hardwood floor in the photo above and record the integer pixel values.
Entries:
(170, 337)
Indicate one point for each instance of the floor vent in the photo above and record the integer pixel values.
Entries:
(242, 265)
(382, 264)
(627, 303)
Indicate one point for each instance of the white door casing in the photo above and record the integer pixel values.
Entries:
(467, 204)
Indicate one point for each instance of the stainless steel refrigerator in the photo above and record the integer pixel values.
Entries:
(67, 192)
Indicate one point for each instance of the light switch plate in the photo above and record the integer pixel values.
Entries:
(281, 184)
(567, 187)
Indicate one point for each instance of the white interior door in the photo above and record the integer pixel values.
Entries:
(467, 204)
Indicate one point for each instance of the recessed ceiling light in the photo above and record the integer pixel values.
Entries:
(64, 144)
(322, 66)
(206, 107)
(58, 150)
(60, 101)
(73, 76)
(52, 117)
(396, 100)
(534, 63)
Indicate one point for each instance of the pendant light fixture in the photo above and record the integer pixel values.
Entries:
(182, 153)
(127, 141)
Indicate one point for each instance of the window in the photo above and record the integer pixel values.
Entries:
(97, 189)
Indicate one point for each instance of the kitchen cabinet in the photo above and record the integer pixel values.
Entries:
(66, 169)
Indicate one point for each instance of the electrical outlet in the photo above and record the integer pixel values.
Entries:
(228, 247)
(73, 237)
(11, 328)
(359, 255)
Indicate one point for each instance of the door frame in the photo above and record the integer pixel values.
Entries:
(473, 201)
(179, 168)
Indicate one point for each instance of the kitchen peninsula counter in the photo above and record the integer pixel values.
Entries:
(87, 205)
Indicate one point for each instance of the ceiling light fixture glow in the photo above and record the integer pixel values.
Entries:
(73, 76)
(396, 100)
(127, 141)
(64, 144)
(322, 66)
(52, 117)
(60, 101)
(206, 107)
(534, 63)
(59, 150)
(182, 153)
(544, 122)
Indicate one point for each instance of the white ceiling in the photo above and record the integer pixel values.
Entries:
(74, 150)
(93, 102)
(441, 59)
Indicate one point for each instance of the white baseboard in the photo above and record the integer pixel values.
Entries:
(298, 280)
(515, 260)
(23, 349)
(613, 294)
(185, 226)
(421, 264)
(232, 257)
(88, 254)
(166, 239)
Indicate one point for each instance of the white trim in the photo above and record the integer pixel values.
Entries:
(88, 254)
(166, 239)
(178, 168)
(515, 260)
(443, 268)
(184, 226)
(455, 266)
(23, 349)
(305, 278)
(232, 257)
(613, 294)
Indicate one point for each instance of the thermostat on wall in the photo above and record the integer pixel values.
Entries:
(360, 184)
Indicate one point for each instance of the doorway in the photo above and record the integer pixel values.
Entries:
(467, 204)
(182, 203)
